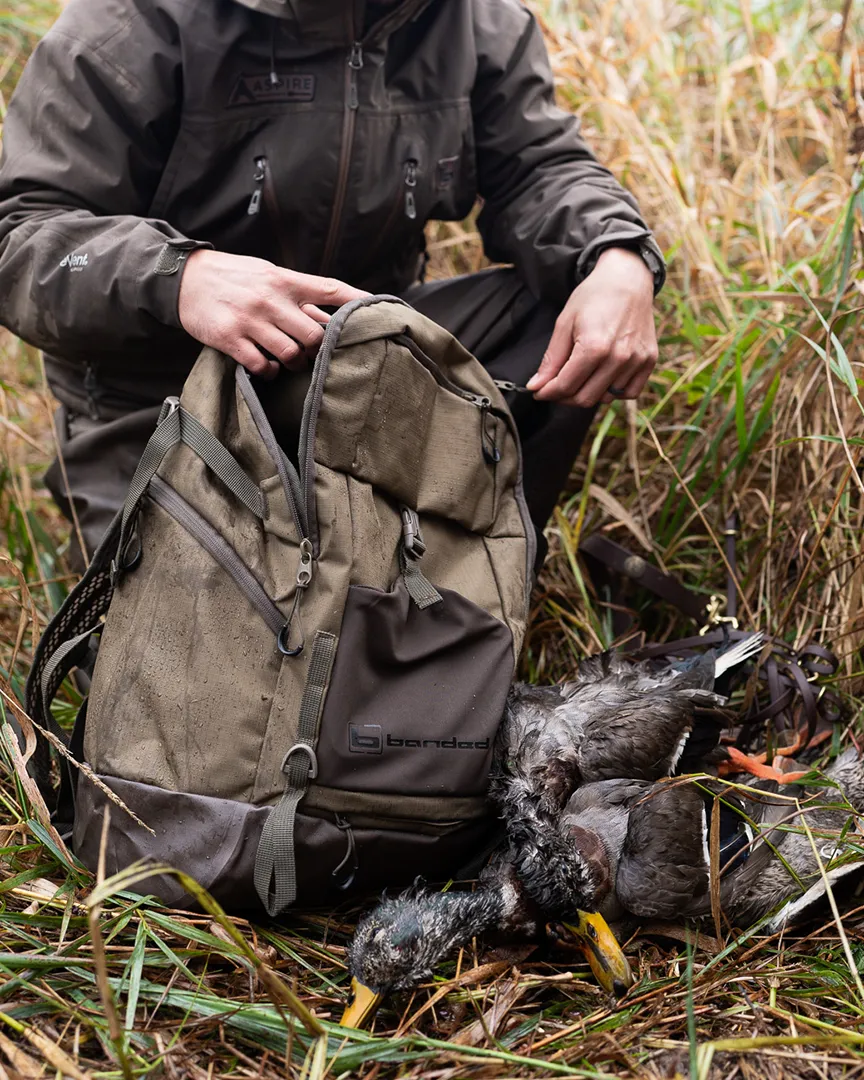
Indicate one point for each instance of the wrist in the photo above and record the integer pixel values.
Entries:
(627, 263)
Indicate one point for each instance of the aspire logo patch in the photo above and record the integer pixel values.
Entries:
(259, 89)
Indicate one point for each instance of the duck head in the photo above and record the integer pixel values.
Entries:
(394, 948)
(594, 882)
(403, 940)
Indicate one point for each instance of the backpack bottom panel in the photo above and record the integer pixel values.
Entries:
(215, 842)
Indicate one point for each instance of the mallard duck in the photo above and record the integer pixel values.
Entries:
(619, 718)
(642, 850)
(401, 942)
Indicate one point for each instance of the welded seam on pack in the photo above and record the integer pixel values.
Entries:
(275, 860)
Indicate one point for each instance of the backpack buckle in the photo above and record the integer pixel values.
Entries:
(412, 539)
(306, 749)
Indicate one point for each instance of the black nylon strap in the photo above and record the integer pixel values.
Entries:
(788, 676)
(617, 558)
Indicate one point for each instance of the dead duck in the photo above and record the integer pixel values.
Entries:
(619, 718)
(642, 850)
(401, 942)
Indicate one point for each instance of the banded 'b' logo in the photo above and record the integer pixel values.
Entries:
(258, 89)
(365, 738)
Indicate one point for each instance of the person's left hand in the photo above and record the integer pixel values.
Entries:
(604, 345)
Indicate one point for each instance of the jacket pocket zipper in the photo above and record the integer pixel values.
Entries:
(173, 503)
(410, 171)
(405, 203)
(264, 193)
(258, 178)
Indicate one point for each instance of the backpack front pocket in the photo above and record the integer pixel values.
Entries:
(415, 696)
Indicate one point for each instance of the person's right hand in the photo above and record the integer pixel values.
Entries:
(241, 305)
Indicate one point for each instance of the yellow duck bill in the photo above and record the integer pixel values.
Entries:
(602, 951)
(362, 1005)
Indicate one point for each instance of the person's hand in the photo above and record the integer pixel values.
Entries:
(604, 345)
(242, 305)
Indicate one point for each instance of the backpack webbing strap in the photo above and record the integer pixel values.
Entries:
(176, 426)
(411, 551)
(60, 663)
(420, 588)
(275, 864)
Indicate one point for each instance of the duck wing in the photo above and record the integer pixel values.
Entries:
(663, 866)
(627, 732)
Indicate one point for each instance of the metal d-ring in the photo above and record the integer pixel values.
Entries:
(309, 752)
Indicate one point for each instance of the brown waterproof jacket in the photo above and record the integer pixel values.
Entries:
(313, 133)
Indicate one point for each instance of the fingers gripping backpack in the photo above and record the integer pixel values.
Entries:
(309, 612)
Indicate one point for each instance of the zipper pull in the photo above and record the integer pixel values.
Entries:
(355, 63)
(259, 177)
(511, 387)
(491, 453)
(93, 391)
(410, 184)
(347, 869)
(304, 577)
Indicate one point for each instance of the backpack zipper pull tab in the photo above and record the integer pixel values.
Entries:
(304, 577)
(410, 184)
(258, 178)
(350, 863)
(491, 453)
(355, 63)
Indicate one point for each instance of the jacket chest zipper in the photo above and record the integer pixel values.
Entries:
(405, 203)
(352, 103)
(258, 179)
(410, 185)
(264, 193)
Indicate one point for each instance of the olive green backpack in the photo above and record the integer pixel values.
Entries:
(308, 614)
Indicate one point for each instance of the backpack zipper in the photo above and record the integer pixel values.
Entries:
(352, 103)
(188, 518)
(488, 443)
(315, 394)
(173, 503)
(350, 863)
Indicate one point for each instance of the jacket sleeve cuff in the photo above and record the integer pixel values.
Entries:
(169, 263)
(644, 246)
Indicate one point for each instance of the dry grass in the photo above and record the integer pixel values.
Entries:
(740, 129)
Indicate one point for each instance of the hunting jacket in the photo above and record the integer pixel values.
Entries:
(314, 133)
